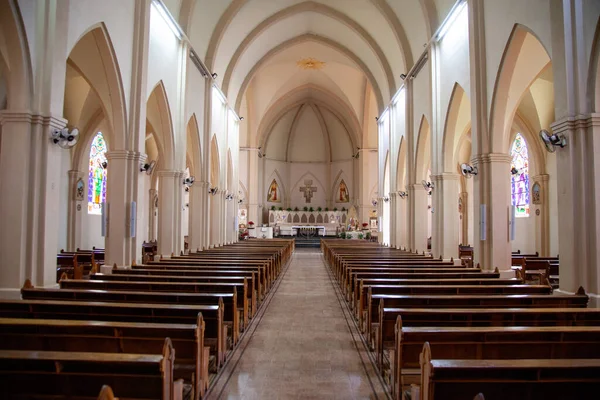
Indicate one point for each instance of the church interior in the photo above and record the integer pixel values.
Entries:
(328, 199)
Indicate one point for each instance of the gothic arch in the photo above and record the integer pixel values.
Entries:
(524, 58)
(327, 11)
(275, 175)
(194, 148)
(159, 115)
(594, 73)
(401, 167)
(94, 58)
(15, 63)
(340, 176)
(215, 164)
(423, 151)
(319, 39)
(458, 121)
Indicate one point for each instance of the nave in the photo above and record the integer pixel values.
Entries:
(305, 346)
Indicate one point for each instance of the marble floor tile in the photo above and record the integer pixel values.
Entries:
(303, 347)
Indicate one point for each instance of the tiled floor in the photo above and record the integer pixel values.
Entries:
(303, 347)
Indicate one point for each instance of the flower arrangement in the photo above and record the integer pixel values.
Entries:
(364, 225)
(251, 224)
(348, 236)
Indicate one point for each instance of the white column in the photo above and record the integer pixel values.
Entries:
(29, 174)
(196, 220)
(401, 223)
(169, 183)
(492, 200)
(73, 213)
(418, 208)
(446, 224)
(153, 214)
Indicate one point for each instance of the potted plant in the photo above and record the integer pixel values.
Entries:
(334, 208)
(289, 209)
(361, 236)
(311, 209)
(296, 209)
(348, 235)
(272, 208)
(343, 208)
(319, 209)
(368, 236)
(280, 208)
(250, 224)
(326, 209)
(305, 208)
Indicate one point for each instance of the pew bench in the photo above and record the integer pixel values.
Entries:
(192, 362)
(78, 375)
(530, 379)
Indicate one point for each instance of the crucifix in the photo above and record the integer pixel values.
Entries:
(308, 190)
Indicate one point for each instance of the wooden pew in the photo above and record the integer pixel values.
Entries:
(231, 314)
(249, 279)
(78, 375)
(240, 288)
(531, 379)
(490, 343)
(578, 300)
(213, 316)
(115, 337)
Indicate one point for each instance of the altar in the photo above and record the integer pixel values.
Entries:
(308, 230)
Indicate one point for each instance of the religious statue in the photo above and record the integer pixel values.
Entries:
(273, 195)
(344, 196)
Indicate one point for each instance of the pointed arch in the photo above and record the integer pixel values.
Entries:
(215, 164)
(159, 115)
(524, 58)
(401, 167)
(97, 174)
(423, 150)
(519, 183)
(193, 147)
(93, 57)
(594, 73)
(308, 37)
(276, 176)
(15, 61)
(457, 124)
(339, 177)
(312, 6)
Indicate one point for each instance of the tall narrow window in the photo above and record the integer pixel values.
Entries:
(519, 182)
(97, 175)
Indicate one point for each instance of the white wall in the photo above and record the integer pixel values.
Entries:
(525, 234)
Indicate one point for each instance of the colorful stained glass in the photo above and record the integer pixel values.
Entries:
(97, 175)
(519, 183)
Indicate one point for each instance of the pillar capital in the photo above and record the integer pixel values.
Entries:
(26, 116)
(573, 123)
(168, 173)
(445, 176)
(491, 158)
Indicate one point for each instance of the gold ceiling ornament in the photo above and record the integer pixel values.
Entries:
(310, 63)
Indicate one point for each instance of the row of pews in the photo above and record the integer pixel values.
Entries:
(78, 264)
(442, 330)
(532, 267)
(164, 329)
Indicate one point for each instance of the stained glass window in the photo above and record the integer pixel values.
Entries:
(519, 182)
(97, 175)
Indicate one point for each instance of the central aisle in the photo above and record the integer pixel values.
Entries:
(304, 346)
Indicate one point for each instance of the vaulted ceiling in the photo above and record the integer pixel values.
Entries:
(255, 47)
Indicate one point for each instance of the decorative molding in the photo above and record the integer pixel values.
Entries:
(7, 116)
(568, 124)
(491, 158)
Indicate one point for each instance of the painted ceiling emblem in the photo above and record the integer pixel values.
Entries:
(310, 63)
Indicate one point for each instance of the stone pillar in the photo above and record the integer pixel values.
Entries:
(205, 214)
(393, 217)
(401, 223)
(153, 214)
(464, 218)
(74, 212)
(444, 237)
(121, 192)
(492, 200)
(417, 196)
(29, 178)
(541, 214)
(196, 221)
(169, 183)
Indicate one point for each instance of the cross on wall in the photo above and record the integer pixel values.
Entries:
(308, 190)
